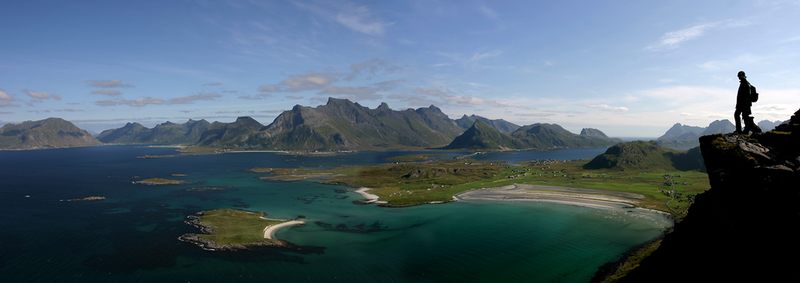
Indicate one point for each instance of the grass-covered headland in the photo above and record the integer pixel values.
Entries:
(415, 183)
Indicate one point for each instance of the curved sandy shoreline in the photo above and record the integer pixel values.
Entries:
(368, 198)
(269, 231)
(562, 195)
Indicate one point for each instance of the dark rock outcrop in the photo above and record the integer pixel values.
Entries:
(746, 228)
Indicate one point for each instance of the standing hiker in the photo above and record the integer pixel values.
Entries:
(744, 99)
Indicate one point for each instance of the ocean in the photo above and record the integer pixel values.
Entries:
(131, 236)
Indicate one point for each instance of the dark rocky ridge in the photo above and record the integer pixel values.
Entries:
(164, 133)
(747, 226)
(342, 124)
(482, 136)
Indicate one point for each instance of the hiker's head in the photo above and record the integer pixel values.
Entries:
(741, 75)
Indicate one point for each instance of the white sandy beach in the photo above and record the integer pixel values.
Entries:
(368, 198)
(269, 231)
(562, 195)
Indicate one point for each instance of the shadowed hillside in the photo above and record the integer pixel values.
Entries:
(745, 228)
(638, 155)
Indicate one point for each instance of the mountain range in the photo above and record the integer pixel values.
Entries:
(683, 137)
(342, 125)
(165, 133)
(482, 136)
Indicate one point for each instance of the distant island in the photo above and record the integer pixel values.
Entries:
(43, 134)
(158, 182)
(232, 229)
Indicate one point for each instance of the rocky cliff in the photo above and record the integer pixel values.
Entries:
(746, 227)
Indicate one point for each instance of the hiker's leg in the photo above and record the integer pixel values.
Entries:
(748, 121)
(736, 118)
(750, 124)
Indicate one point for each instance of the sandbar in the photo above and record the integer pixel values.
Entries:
(269, 231)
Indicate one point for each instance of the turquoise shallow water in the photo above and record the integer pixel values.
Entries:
(131, 236)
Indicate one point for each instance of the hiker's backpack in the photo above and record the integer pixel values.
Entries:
(753, 94)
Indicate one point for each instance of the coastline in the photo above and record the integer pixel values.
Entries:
(562, 195)
(269, 231)
(368, 198)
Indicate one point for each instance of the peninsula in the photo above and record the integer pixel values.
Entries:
(632, 174)
(233, 229)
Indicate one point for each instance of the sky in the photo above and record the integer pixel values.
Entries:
(628, 68)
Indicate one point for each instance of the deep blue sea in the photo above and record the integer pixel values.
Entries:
(132, 235)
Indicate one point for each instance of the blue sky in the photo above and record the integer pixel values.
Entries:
(629, 68)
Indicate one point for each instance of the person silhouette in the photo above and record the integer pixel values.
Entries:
(744, 101)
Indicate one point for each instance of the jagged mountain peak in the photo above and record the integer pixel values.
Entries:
(383, 107)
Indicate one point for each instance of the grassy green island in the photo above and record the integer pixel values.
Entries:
(159, 182)
(233, 229)
(414, 183)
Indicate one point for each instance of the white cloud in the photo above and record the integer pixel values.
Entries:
(145, 101)
(301, 82)
(370, 68)
(674, 39)
(606, 107)
(138, 102)
(5, 98)
(356, 18)
(108, 84)
(443, 96)
(488, 12)
(739, 62)
(323, 82)
(108, 92)
(361, 20)
(108, 87)
(192, 98)
(41, 95)
(467, 59)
